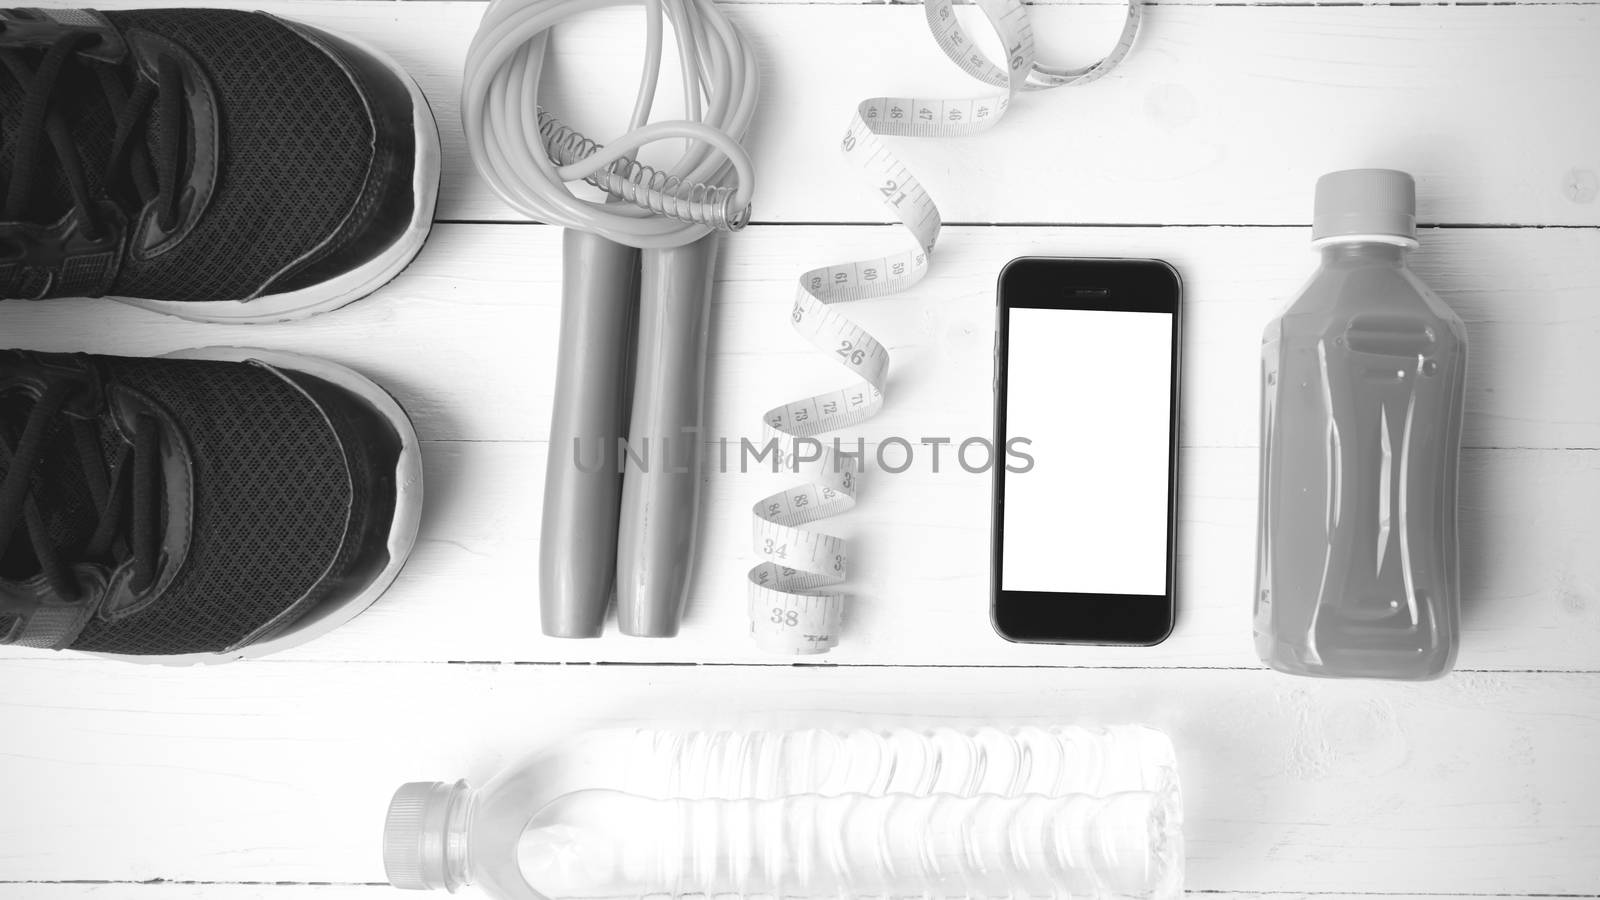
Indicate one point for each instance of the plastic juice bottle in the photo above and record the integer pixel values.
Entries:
(1035, 812)
(1362, 389)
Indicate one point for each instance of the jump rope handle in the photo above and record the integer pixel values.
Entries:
(583, 480)
(661, 490)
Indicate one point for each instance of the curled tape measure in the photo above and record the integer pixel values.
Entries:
(790, 609)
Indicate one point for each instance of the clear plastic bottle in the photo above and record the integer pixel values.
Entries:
(1363, 381)
(1035, 812)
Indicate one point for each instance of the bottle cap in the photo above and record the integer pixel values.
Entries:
(1365, 202)
(417, 835)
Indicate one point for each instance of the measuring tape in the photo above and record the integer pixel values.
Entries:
(790, 610)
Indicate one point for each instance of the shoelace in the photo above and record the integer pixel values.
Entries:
(41, 122)
(120, 531)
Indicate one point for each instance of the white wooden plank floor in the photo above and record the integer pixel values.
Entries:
(268, 779)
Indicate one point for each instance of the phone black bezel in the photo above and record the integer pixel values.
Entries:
(1136, 285)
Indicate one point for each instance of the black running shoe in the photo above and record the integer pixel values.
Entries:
(216, 165)
(229, 503)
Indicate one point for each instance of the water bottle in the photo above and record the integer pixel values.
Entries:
(1362, 387)
(1028, 812)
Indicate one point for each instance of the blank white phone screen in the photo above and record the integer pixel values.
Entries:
(1091, 391)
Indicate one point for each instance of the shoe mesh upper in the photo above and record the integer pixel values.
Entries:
(296, 145)
(273, 493)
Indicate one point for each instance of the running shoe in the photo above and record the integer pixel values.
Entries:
(223, 504)
(212, 164)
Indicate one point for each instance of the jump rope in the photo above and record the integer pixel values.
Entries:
(641, 260)
(650, 248)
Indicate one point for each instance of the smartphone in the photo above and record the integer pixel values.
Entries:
(1086, 463)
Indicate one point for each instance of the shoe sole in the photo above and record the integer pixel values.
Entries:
(402, 530)
(360, 281)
